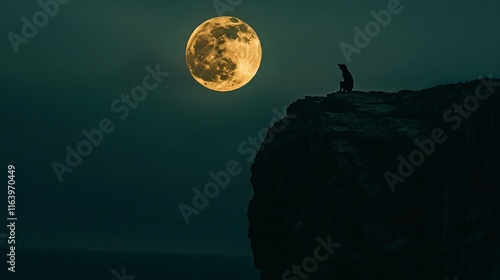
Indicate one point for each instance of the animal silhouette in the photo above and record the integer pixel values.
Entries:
(348, 83)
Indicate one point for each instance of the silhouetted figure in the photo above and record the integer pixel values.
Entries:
(348, 83)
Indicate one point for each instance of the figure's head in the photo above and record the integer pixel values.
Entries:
(343, 67)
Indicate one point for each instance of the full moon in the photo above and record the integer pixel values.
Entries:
(223, 53)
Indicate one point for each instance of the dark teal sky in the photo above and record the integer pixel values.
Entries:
(125, 194)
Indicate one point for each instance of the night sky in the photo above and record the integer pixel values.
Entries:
(125, 194)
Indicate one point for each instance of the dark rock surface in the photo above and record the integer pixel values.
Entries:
(325, 174)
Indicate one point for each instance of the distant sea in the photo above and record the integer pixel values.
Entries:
(43, 264)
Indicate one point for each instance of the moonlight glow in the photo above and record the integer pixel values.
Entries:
(223, 53)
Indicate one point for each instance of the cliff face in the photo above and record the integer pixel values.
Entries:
(401, 185)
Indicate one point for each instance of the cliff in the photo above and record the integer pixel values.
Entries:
(374, 185)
